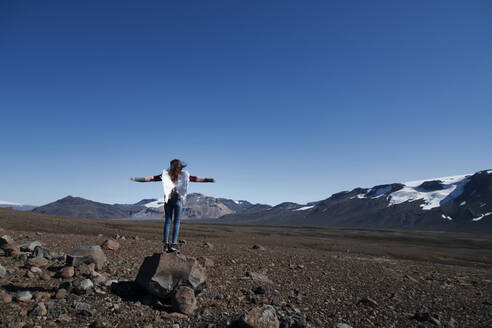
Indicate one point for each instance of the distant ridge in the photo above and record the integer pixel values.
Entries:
(16, 206)
(197, 206)
(458, 203)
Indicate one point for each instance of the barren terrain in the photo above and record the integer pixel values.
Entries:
(318, 276)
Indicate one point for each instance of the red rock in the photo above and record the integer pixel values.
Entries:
(41, 296)
(63, 318)
(67, 272)
(60, 293)
(184, 300)
(261, 317)
(5, 297)
(38, 261)
(45, 276)
(206, 262)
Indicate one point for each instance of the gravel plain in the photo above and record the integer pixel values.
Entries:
(313, 277)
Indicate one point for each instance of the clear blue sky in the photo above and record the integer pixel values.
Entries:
(277, 100)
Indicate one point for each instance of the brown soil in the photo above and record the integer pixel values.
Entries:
(323, 275)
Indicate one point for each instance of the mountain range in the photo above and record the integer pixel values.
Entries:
(458, 203)
(197, 206)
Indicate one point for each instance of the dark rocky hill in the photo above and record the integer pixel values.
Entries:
(83, 208)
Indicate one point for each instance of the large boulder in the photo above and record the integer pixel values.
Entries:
(87, 255)
(160, 274)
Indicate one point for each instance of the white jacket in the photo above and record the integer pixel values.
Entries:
(181, 185)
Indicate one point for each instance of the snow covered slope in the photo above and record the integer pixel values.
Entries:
(197, 206)
(433, 193)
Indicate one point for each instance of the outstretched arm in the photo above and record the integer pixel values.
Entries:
(198, 179)
(147, 179)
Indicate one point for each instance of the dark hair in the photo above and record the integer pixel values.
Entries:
(175, 168)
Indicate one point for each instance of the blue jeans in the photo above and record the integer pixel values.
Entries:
(172, 208)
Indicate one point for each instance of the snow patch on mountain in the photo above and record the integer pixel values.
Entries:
(481, 216)
(444, 216)
(155, 204)
(452, 187)
(304, 208)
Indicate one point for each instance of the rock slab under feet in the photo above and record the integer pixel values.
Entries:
(160, 274)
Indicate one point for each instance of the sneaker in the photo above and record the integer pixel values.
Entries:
(166, 248)
(173, 248)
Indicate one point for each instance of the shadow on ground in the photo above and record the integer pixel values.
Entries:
(130, 291)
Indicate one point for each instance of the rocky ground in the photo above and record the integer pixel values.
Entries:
(310, 277)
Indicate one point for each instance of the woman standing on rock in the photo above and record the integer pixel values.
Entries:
(175, 182)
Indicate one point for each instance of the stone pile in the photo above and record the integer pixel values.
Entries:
(77, 271)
